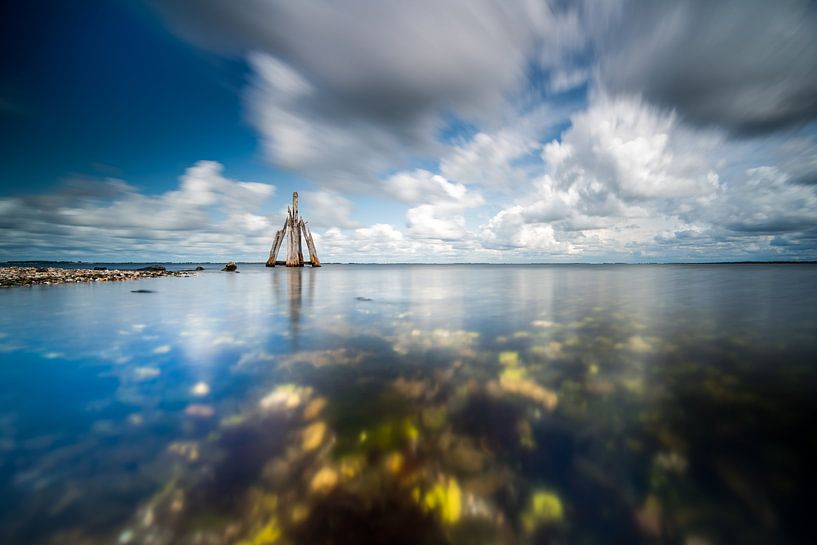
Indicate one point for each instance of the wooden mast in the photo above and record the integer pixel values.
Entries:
(294, 228)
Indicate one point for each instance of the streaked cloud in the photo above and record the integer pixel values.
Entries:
(476, 130)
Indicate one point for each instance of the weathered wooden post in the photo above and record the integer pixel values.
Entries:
(310, 245)
(296, 220)
(290, 240)
(294, 228)
(276, 244)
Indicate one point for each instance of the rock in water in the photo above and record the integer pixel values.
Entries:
(199, 268)
(230, 267)
(100, 268)
(157, 268)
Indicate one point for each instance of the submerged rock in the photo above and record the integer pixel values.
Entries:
(313, 436)
(324, 480)
(515, 381)
(314, 408)
(154, 268)
(285, 396)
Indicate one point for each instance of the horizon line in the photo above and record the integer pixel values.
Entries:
(739, 262)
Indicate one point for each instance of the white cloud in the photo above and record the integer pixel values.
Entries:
(623, 148)
(509, 229)
(441, 203)
(208, 216)
(627, 178)
(436, 221)
(343, 100)
(422, 186)
(620, 160)
(567, 79)
(488, 159)
(350, 105)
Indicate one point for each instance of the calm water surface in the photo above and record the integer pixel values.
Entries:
(413, 404)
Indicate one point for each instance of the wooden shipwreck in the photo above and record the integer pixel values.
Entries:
(295, 228)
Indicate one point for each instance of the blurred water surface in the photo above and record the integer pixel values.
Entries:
(412, 404)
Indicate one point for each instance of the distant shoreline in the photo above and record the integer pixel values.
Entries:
(413, 263)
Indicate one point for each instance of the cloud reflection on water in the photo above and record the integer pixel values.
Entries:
(517, 404)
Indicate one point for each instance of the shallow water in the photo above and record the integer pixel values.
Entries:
(412, 404)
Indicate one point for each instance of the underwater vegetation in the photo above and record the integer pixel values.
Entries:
(564, 434)
(592, 428)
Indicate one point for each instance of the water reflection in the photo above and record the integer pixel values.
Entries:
(413, 405)
(293, 296)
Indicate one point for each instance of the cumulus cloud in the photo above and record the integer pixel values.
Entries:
(746, 65)
(208, 215)
(423, 186)
(628, 179)
(621, 150)
(441, 203)
(618, 157)
(511, 229)
(378, 243)
(382, 243)
(436, 221)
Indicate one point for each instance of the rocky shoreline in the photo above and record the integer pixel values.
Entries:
(29, 276)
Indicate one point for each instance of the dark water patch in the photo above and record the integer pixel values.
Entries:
(240, 455)
(388, 518)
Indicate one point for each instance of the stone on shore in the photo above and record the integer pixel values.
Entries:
(29, 276)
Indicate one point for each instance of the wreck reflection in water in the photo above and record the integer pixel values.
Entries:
(413, 404)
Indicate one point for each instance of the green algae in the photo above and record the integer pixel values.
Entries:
(544, 508)
(445, 499)
(268, 534)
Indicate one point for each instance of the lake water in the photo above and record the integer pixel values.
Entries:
(413, 404)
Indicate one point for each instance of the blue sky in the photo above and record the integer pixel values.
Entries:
(530, 131)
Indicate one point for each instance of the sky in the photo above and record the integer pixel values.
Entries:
(427, 131)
